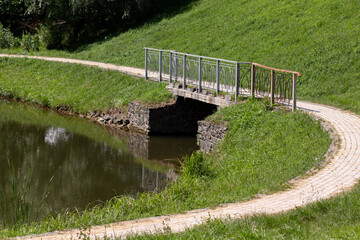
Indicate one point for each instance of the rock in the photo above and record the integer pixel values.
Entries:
(228, 97)
(95, 114)
(126, 122)
(114, 120)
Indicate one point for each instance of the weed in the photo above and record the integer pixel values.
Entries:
(17, 201)
(196, 166)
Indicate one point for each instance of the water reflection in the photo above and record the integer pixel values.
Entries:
(53, 135)
(88, 163)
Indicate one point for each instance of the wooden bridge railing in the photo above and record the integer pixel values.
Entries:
(220, 75)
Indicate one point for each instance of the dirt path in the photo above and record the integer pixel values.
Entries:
(340, 174)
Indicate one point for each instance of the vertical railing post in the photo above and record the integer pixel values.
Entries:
(184, 72)
(252, 89)
(272, 87)
(294, 93)
(237, 78)
(200, 75)
(146, 63)
(217, 77)
(160, 66)
(170, 70)
(176, 67)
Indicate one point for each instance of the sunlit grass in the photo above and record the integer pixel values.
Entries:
(80, 88)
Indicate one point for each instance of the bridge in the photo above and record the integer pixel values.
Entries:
(218, 81)
(340, 174)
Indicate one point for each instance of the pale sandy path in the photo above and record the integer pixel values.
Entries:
(340, 174)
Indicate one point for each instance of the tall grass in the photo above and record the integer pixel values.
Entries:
(18, 203)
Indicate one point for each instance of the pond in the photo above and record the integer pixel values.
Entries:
(77, 162)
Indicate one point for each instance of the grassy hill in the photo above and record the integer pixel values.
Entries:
(319, 38)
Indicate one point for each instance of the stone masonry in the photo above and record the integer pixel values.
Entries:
(209, 134)
(179, 118)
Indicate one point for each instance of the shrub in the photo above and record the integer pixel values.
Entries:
(7, 39)
(30, 42)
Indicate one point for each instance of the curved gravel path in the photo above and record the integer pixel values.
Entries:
(340, 174)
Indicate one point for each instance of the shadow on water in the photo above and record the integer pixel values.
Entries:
(88, 163)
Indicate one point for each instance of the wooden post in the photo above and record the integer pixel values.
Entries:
(200, 75)
(184, 72)
(237, 76)
(252, 80)
(160, 66)
(146, 63)
(217, 77)
(294, 93)
(272, 90)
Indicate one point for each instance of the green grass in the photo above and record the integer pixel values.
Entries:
(262, 150)
(81, 88)
(318, 38)
(337, 218)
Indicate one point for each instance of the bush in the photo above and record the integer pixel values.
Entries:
(54, 36)
(7, 39)
(30, 42)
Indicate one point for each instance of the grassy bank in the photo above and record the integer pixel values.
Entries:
(80, 88)
(234, 172)
(318, 38)
(337, 218)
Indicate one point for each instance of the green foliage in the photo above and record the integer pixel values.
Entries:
(7, 39)
(30, 42)
(65, 23)
(52, 36)
(196, 166)
(12, 12)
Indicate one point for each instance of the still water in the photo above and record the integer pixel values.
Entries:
(86, 162)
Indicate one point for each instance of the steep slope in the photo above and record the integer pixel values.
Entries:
(319, 38)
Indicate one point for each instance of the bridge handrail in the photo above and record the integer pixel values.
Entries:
(196, 56)
(277, 69)
(222, 75)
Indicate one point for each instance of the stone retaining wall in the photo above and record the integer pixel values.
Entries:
(179, 118)
(209, 134)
